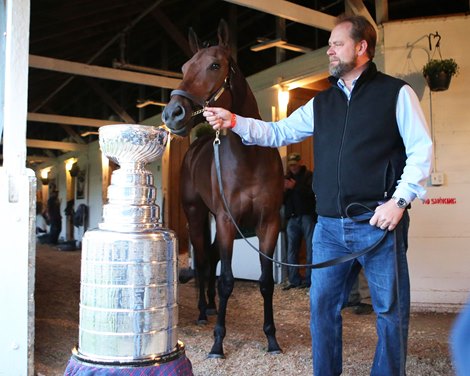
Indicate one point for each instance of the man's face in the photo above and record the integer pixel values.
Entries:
(294, 168)
(342, 51)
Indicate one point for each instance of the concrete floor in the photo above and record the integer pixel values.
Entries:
(57, 302)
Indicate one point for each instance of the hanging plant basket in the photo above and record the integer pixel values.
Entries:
(438, 81)
(438, 73)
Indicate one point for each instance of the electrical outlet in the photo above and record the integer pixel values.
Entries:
(437, 178)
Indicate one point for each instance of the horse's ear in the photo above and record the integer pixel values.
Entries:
(194, 43)
(223, 33)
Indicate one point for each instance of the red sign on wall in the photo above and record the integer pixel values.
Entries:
(440, 201)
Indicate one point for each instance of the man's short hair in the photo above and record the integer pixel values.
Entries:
(361, 29)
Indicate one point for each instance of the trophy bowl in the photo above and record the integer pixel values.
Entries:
(132, 143)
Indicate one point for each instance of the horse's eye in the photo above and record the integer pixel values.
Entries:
(214, 66)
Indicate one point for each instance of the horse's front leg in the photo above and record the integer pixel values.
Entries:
(212, 278)
(225, 237)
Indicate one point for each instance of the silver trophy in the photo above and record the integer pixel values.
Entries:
(128, 296)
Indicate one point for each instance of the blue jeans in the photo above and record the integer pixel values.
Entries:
(335, 237)
(459, 343)
(298, 227)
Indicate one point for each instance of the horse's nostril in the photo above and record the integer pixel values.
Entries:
(173, 114)
(178, 112)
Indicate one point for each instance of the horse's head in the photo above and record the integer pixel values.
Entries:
(206, 77)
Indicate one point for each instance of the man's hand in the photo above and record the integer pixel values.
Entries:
(289, 183)
(218, 118)
(387, 216)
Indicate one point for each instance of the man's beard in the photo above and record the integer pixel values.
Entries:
(342, 68)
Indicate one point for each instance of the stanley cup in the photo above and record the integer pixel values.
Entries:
(128, 296)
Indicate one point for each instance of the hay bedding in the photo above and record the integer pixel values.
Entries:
(57, 302)
(245, 341)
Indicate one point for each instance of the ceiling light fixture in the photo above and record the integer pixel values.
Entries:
(45, 176)
(72, 167)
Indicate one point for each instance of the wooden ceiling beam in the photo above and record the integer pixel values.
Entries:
(290, 11)
(75, 136)
(56, 145)
(95, 71)
(381, 11)
(358, 8)
(70, 120)
(172, 31)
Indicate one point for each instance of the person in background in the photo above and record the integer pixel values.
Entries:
(372, 149)
(41, 224)
(299, 209)
(359, 297)
(54, 216)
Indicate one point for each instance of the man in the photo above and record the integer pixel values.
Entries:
(54, 216)
(299, 209)
(372, 149)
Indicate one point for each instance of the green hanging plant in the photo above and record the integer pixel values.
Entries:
(438, 73)
(434, 67)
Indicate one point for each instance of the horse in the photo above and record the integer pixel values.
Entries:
(252, 180)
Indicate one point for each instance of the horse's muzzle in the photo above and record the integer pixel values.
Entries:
(176, 119)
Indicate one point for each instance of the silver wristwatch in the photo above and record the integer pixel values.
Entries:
(401, 202)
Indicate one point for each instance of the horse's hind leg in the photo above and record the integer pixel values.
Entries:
(266, 285)
(198, 233)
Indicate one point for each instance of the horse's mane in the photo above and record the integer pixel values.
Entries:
(243, 99)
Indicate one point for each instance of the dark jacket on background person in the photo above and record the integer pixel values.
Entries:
(300, 200)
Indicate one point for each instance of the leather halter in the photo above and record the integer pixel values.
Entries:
(200, 101)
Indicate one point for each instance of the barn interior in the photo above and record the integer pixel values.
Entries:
(94, 63)
(70, 93)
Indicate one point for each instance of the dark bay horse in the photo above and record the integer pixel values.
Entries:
(252, 178)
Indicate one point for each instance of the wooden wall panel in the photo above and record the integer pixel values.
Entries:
(299, 97)
(174, 217)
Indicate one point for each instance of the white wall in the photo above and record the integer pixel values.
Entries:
(439, 253)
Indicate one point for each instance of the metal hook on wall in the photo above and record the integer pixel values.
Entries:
(437, 47)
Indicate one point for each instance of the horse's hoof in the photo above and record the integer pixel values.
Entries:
(185, 275)
(215, 356)
(202, 322)
(211, 311)
(275, 352)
